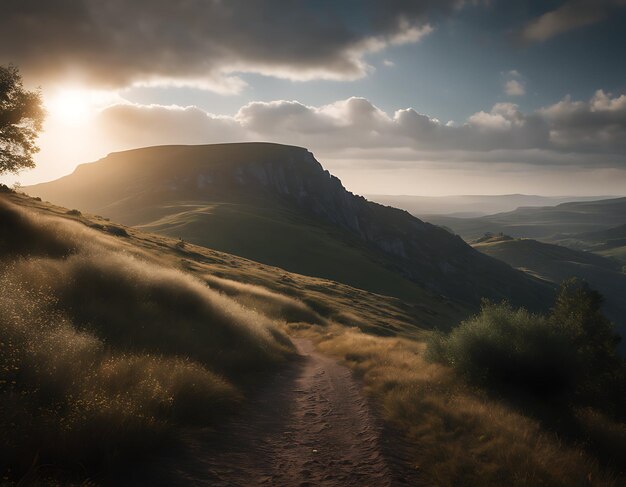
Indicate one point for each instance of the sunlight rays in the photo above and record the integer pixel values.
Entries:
(75, 105)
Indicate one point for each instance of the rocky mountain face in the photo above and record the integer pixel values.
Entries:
(126, 185)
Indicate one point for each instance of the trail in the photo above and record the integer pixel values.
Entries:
(310, 427)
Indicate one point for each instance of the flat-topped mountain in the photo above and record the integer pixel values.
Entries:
(276, 204)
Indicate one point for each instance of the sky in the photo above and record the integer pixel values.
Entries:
(424, 97)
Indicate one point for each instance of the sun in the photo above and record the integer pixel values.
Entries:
(76, 105)
(70, 105)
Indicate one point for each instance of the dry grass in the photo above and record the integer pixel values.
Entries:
(102, 353)
(458, 436)
(265, 301)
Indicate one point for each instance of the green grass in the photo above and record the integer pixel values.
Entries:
(618, 253)
(276, 236)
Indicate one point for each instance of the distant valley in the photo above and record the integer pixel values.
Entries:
(556, 263)
(550, 223)
(582, 239)
(472, 206)
(551, 238)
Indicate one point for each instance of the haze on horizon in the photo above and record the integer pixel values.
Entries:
(429, 98)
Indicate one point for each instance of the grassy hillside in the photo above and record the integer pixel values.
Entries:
(609, 243)
(275, 204)
(276, 235)
(556, 263)
(104, 353)
(122, 377)
(544, 223)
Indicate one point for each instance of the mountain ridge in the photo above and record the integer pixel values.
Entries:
(473, 206)
(198, 190)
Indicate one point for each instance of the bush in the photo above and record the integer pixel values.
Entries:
(572, 352)
(115, 230)
(504, 347)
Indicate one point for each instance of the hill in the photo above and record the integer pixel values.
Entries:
(276, 204)
(544, 223)
(471, 206)
(556, 263)
(609, 243)
(185, 374)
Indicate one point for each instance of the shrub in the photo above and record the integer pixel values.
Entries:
(571, 352)
(115, 230)
(504, 347)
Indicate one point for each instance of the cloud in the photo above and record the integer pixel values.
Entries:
(599, 123)
(353, 135)
(593, 128)
(129, 126)
(205, 43)
(514, 87)
(571, 15)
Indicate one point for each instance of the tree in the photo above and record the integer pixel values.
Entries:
(577, 312)
(21, 120)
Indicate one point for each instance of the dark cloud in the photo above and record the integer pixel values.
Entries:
(115, 43)
(572, 14)
(598, 124)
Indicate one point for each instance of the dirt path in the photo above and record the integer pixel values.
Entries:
(310, 427)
